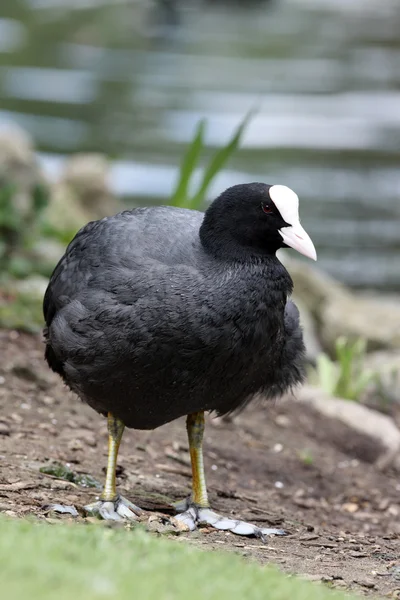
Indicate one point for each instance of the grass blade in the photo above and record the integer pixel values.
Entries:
(218, 161)
(189, 163)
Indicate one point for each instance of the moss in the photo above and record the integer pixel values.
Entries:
(63, 472)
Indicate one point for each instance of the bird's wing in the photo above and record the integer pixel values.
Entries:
(131, 240)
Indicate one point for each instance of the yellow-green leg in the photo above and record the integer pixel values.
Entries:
(195, 430)
(111, 505)
(115, 432)
(197, 510)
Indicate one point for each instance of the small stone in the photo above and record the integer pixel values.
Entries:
(4, 428)
(24, 372)
(367, 583)
(308, 538)
(282, 421)
(350, 507)
(75, 445)
(393, 511)
(47, 427)
(310, 577)
(90, 439)
(277, 448)
(48, 400)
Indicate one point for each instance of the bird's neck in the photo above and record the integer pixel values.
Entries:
(225, 245)
(258, 283)
(248, 266)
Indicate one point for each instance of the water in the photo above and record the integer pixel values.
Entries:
(132, 82)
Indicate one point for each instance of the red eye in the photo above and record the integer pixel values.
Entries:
(267, 208)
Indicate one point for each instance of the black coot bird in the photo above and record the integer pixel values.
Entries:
(161, 312)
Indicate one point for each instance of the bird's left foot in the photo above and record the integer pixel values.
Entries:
(193, 515)
(116, 510)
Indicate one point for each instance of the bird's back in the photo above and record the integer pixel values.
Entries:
(141, 323)
(165, 234)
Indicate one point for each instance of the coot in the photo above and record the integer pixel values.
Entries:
(156, 313)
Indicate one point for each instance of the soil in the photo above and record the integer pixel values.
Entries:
(275, 464)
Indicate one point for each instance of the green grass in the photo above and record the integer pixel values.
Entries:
(20, 310)
(84, 562)
(190, 162)
(345, 377)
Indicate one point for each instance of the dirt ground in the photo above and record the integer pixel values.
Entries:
(278, 464)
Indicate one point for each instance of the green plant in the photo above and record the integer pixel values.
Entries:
(181, 196)
(306, 456)
(346, 377)
(20, 214)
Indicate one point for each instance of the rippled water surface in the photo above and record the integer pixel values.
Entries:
(133, 80)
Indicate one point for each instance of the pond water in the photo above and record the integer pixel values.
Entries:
(132, 79)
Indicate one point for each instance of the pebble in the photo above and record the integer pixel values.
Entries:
(48, 400)
(90, 439)
(350, 507)
(75, 445)
(282, 421)
(367, 583)
(277, 448)
(4, 428)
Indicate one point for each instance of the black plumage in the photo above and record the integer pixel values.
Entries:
(160, 312)
(157, 313)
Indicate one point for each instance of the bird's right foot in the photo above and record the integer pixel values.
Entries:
(118, 509)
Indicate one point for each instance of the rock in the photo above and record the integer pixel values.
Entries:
(310, 335)
(367, 583)
(24, 195)
(64, 215)
(311, 286)
(86, 175)
(336, 311)
(354, 316)
(358, 417)
(19, 166)
(82, 195)
(75, 445)
(387, 366)
(4, 428)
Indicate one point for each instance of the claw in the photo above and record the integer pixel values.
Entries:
(189, 518)
(119, 510)
(194, 516)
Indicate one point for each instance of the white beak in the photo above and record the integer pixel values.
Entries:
(298, 239)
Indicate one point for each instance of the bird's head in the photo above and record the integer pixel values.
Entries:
(256, 217)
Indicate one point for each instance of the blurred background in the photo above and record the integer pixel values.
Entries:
(120, 103)
(131, 80)
(109, 105)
